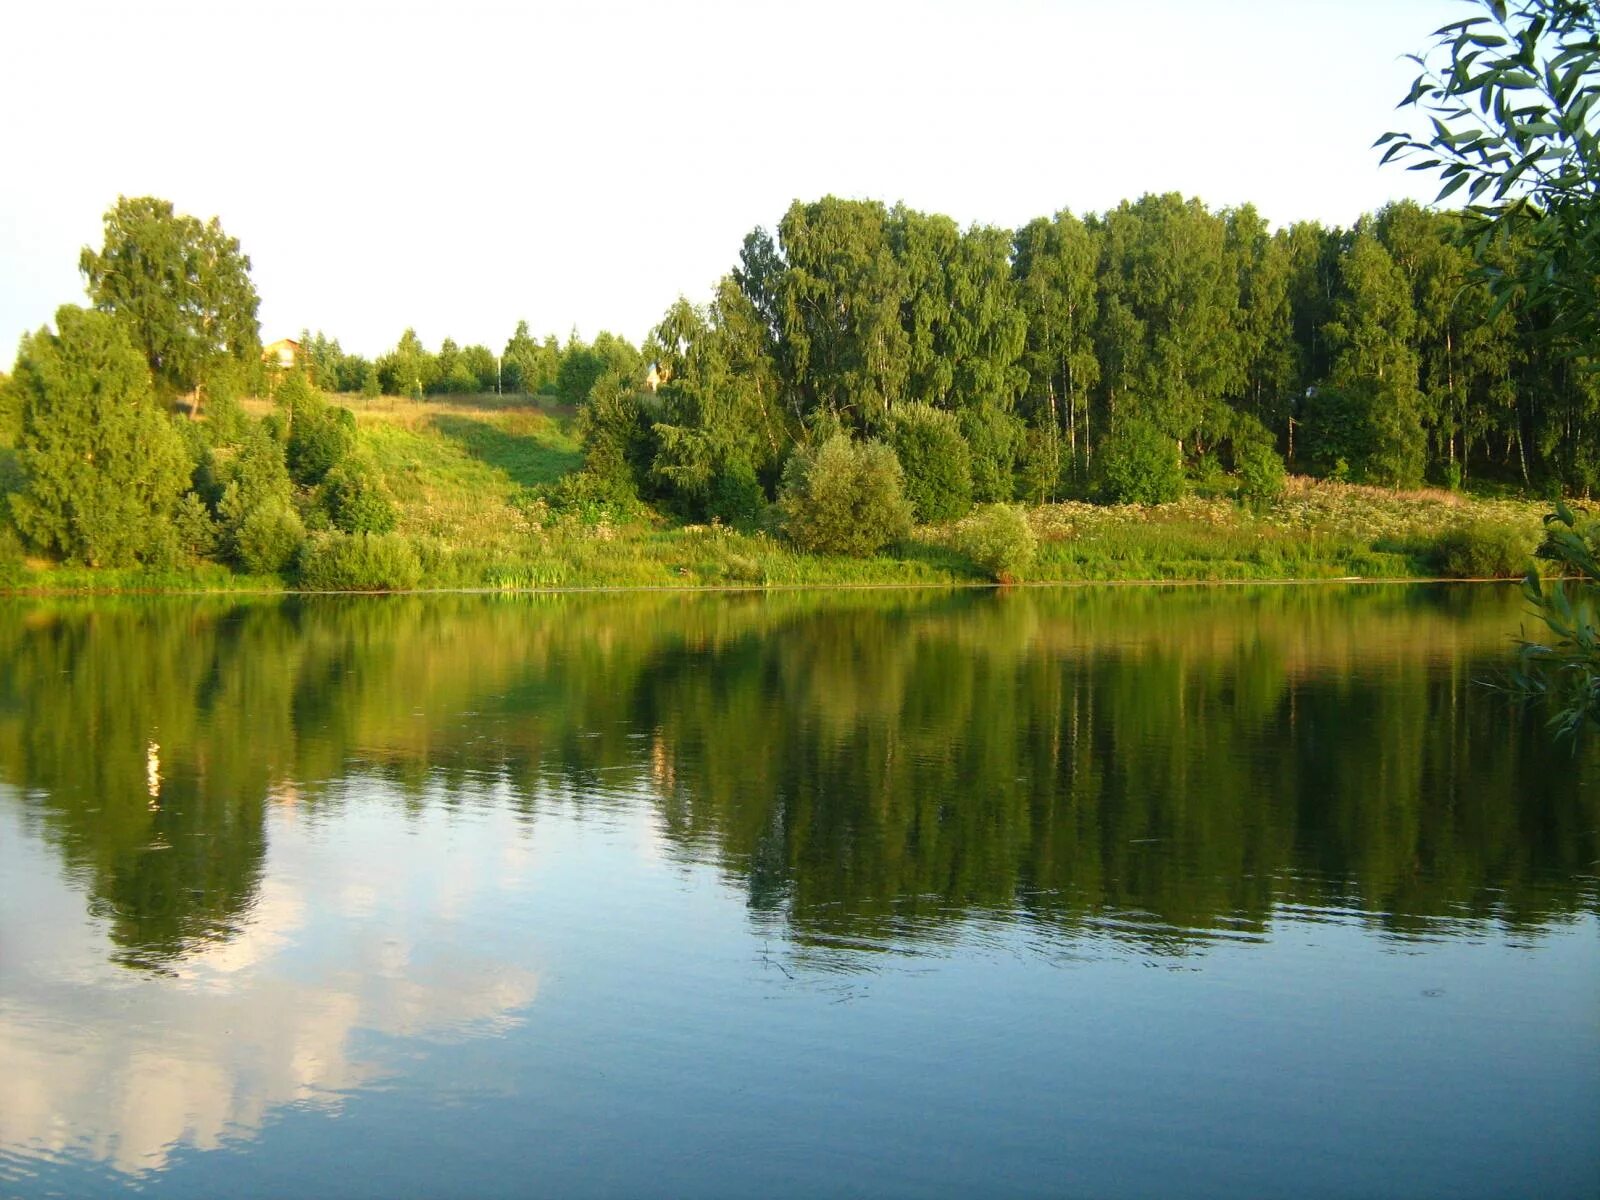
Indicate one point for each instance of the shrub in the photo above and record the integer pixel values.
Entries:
(11, 477)
(999, 540)
(994, 438)
(934, 458)
(1261, 474)
(268, 538)
(361, 562)
(355, 499)
(1039, 466)
(11, 549)
(735, 496)
(615, 431)
(101, 463)
(1140, 465)
(1206, 476)
(197, 532)
(243, 478)
(594, 496)
(846, 497)
(320, 434)
(1483, 550)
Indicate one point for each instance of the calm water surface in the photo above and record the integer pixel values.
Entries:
(1102, 892)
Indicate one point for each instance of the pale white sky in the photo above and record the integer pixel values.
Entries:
(458, 166)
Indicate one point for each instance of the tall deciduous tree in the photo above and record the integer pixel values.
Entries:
(1055, 265)
(181, 287)
(102, 462)
(1375, 362)
(840, 311)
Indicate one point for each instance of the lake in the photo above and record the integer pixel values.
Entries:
(1110, 892)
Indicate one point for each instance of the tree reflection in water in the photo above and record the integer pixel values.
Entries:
(1168, 764)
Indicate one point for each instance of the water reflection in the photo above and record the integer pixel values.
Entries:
(304, 830)
(330, 953)
(859, 765)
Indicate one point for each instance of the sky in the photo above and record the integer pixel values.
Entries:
(459, 167)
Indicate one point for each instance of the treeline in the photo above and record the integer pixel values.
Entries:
(526, 366)
(1109, 355)
(863, 369)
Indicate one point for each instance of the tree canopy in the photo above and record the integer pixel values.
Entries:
(103, 467)
(182, 289)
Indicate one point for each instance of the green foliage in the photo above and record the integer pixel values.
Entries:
(735, 496)
(1479, 549)
(408, 369)
(615, 430)
(1261, 473)
(999, 540)
(320, 434)
(594, 497)
(846, 497)
(1039, 466)
(1170, 347)
(994, 438)
(269, 536)
(935, 460)
(1138, 464)
(355, 499)
(361, 562)
(180, 287)
(197, 532)
(583, 366)
(1513, 115)
(238, 480)
(101, 463)
(1566, 670)
(1512, 97)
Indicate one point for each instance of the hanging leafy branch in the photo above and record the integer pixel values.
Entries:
(1566, 672)
(1513, 97)
(1513, 100)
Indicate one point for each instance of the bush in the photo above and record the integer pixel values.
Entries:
(197, 532)
(735, 496)
(1039, 466)
(1483, 550)
(1140, 465)
(320, 434)
(594, 496)
(355, 499)
(615, 431)
(846, 497)
(244, 477)
(101, 462)
(999, 540)
(362, 562)
(1261, 474)
(268, 538)
(934, 458)
(994, 438)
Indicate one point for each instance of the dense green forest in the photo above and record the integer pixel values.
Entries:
(864, 371)
(1359, 353)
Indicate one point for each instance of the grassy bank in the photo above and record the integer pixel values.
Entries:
(471, 483)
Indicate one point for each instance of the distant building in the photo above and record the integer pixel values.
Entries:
(653, 380)
(283, 353)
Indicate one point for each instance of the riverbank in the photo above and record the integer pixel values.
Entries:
(475, 488)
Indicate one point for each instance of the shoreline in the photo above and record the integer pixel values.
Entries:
(48, 593)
